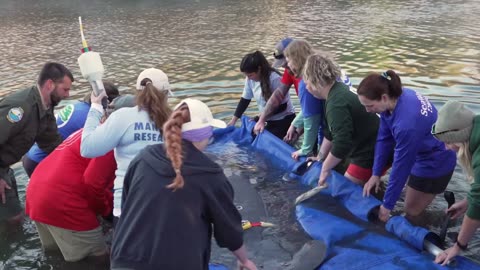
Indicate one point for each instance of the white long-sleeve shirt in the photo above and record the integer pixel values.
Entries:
(127, 131)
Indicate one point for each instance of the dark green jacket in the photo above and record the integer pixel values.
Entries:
(23, 121)
(473, 197)
(352, 130)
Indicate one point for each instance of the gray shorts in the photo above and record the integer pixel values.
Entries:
(74, 245)
(12, 207)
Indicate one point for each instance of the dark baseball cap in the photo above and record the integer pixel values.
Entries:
(278, 54)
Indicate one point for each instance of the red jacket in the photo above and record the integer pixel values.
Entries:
(69, 191)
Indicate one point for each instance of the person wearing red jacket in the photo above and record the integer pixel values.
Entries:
(67, 193)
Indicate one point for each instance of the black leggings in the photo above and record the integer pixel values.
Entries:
(280, 127)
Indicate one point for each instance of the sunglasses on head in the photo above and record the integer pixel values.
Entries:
(278, 55)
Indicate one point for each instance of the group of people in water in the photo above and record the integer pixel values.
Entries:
(169, 198)
(351, 139)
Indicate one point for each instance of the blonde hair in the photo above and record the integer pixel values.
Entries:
(297, 52)
(321, 70)
(465, 159)
(172, 137)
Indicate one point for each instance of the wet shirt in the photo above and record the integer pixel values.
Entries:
(70, 119)
(406, 132)
(128, 131)
(24, 121)
(252, 89)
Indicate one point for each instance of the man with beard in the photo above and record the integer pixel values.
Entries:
(69, 119)
(27, 117)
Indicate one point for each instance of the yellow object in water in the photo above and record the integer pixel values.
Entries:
(247, 224)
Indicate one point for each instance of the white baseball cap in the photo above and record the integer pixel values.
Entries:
(159, 80)
(200, 116)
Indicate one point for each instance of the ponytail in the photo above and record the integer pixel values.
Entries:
(394, 84)
(172, 137)
(375, 85)
(154, 101)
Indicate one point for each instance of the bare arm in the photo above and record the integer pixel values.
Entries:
(244, 262)
(274, 101)
(324, 149)
(469, 227)
(3, 186)
(330, 162)
(241, 254)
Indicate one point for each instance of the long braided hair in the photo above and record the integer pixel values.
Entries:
(172, 137)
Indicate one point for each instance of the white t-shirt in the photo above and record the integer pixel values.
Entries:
(252, 89)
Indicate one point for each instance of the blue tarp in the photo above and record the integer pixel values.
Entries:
(216, 267)
(352, 241)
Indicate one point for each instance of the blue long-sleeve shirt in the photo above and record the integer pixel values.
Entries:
(310, 104)
(127, 131)
(407, 133)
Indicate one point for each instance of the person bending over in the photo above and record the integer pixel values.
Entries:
(175, 198)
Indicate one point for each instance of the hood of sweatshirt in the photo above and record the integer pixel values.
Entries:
(195, 162)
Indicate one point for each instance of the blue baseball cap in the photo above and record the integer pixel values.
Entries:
(280, 60)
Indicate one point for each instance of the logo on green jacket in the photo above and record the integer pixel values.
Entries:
(15, 114)
(66, 113)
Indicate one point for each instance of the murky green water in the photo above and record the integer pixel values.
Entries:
(199, 44)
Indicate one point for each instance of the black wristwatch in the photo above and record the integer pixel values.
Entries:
(461, 246)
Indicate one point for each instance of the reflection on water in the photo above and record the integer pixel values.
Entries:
(199, 44)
